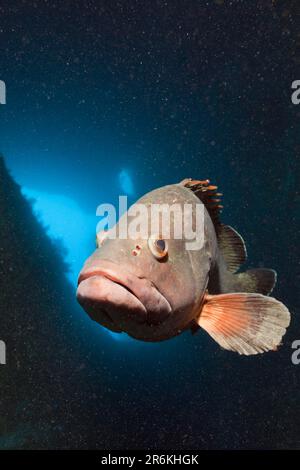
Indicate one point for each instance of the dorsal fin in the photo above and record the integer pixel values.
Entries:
(206, 192)
(232, 247)
(231, 243)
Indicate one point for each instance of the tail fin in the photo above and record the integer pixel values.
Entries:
(244, 323)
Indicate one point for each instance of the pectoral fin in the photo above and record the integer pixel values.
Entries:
(244, 322)
(232, 247)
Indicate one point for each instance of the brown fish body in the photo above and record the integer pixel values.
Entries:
(125, 288)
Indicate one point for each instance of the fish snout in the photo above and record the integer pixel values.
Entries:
(118, 298)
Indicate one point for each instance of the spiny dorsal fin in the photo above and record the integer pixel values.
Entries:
(232, 247)
(206, 192)
(231, 243)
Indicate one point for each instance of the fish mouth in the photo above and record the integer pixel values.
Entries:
(118, 298)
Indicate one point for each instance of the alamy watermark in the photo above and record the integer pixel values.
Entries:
(141, 221)
(2, 92)
(2, 353)
(296, 354)
(295, 97)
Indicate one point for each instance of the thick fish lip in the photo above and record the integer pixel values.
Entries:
(100, 272)
(138, 294)
(102, 297)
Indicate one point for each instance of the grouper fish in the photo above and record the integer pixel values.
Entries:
(154, 289)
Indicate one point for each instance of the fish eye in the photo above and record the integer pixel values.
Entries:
(158, 246)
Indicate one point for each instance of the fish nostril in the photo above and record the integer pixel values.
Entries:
(136, 251)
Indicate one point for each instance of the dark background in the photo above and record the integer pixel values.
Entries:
(154, 91)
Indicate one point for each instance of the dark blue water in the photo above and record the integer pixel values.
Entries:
(119, 98)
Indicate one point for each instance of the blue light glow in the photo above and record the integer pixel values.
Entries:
(64, 220)
(126, 183)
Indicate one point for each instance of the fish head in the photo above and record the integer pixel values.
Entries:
(147, 287)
